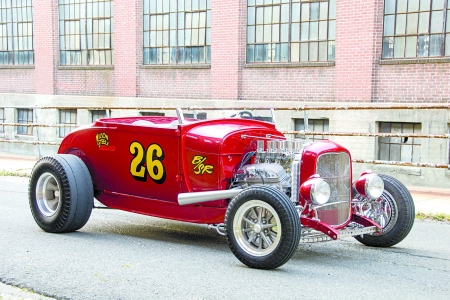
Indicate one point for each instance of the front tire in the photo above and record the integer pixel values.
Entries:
(262, 227)
(61, 193)
(394, 211)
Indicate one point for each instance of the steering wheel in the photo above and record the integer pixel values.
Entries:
(243, 113)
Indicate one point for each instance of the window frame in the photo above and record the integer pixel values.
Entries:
(18, 27)
(63, 131)
(97, 114)
(299, 122)
(388, 45)
(400, 141)
(178, 54)
(88, 48)
(294, 45)
(24, 130)
(2, 120)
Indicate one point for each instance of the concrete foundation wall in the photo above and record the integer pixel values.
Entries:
(433, 122)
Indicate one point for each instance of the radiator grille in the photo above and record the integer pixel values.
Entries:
(335, 169)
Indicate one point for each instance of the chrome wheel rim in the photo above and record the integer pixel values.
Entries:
(383, 211)
(47, 194)
(257, 228)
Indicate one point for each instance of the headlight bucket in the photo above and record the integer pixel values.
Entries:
(315, 190)
(370, 185)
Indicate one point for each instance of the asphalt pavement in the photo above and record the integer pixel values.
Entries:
(427, 200)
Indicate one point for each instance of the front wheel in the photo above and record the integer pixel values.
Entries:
(394, 211)
(61, 193)
(262, 227)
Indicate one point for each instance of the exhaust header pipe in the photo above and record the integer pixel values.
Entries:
(198, 197)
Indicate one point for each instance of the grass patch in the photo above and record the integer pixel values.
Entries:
(435, 217)
(13, 173)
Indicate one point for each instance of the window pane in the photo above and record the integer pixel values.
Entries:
(411, 43)
(400, 27)
(447, 45)
(435, 45)
(389, 6)
(424, 18)
(411, 25)
(389, 25)
(399, 47)
(436, 21)
(423, 46)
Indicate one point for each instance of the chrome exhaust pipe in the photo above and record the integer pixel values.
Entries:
(198, 197)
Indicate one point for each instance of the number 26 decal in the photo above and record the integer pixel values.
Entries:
(147, 162)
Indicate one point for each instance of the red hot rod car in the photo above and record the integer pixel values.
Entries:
(265, 192)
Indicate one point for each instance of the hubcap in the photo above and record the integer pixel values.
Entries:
(383, 211)
(47, 194)
(257, 228)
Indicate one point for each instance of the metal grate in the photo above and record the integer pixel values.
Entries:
(335, 169)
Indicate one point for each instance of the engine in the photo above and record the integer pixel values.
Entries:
(276, 164)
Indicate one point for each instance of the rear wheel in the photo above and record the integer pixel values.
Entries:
(394, 211)
(262, 227)
(61, 193)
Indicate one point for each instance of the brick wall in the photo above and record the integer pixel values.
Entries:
(418, 83)
(296, 84)
(356, 76)
(14, 80)
(175, 83)
(355, 49)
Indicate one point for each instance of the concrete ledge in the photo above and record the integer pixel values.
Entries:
(412, 61)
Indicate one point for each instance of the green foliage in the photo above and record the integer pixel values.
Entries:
(436, 217)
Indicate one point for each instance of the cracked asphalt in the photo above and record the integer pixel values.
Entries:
(120, 255)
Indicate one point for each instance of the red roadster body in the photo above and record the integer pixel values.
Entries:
(264, 191)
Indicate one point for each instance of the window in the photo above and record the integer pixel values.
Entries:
(314, 125)
(405, 149)
(177, 32)
(97, 114)
(16, 32)
(24, 116)
(416, 28)
(200, 116)
(86, 32)
(448, 145)
(2, 119)
(151, 113)
(67, 117)
(290, 30)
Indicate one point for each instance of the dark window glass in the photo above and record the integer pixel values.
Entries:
(314, 125)
(177, 32)
(405, 149)
(16, 32)
(151, 113)
(416, 28)
(24, 116)
(200, 116)
(2, 119)
(97, 114)
(86, 32)
(67, 117)
(291, 30)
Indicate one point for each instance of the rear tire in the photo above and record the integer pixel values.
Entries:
(396, 217)
(61, 193)
(262, 227)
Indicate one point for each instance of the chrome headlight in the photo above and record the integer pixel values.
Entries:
(370, 185)
(316, 190)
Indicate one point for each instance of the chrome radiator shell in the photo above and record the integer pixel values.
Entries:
(335, 168)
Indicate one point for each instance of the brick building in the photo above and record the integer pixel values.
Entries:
(156, 53)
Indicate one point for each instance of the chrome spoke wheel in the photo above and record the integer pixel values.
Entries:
(257, 228)
(383, 211)
(47, 194)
